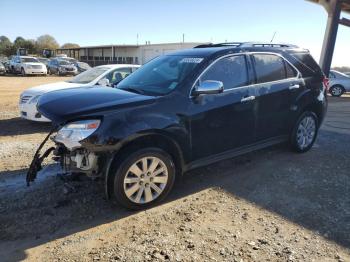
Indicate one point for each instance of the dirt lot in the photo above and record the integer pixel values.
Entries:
(271, 205)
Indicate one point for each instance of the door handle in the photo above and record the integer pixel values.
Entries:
(248, 98)
(296, 86)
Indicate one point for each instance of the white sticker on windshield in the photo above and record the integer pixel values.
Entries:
(191, 60)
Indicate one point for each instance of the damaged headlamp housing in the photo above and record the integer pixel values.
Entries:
(72, 133)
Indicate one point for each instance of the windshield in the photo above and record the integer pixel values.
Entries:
(63, 63)
(161, 75)
(29, 60)
(83, 65)
(89, 75)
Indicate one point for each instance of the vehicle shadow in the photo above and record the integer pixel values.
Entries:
(311, 190)
(18, 126)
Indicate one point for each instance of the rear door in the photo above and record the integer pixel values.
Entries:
(277, 85)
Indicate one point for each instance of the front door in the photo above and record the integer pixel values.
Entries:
(222, 122)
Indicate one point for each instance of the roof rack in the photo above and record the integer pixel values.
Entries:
(246, 44)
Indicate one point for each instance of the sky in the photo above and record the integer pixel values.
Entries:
(89, 22)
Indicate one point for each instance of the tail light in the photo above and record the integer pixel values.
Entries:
(326, 83)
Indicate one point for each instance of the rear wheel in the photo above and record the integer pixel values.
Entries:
(336, 90)
(305, 132)
(143, 178)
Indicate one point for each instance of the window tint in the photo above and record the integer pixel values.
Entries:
(118, 75)
(306, 64)
(290, 71)
(269, 68)
(331, 75)
(231, 71)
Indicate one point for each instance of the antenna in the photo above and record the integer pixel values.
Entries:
(137, 39)
(273, 37)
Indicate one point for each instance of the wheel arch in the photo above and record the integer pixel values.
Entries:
(154, 139)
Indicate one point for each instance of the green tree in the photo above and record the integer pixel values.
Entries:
(70, 45)
(46, 42)
(6, 46)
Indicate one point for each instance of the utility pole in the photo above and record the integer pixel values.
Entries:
(183, 38)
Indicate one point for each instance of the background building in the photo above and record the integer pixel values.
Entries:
(122, 54)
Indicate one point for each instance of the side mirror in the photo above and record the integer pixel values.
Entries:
(103, 82)
(209, 87)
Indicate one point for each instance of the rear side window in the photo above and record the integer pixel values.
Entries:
(306, 64)
(231, 71)
(290, 71)
(269, 68)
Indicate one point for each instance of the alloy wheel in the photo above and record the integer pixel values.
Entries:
(337, 91)
(306, 132)
(145, 180)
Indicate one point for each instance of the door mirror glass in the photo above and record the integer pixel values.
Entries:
(103, 82)
(209, 87)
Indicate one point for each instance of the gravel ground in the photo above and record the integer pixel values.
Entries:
(271, 205)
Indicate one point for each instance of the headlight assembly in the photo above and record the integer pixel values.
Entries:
(71, 134)
(34, 100)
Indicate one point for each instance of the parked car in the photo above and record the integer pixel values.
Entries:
(185, 110)
(7, 66)
(2, 69)
(81, 66)
(107, 75)
(27, 65)
(45, 61)
(61, 67)
(339, 83)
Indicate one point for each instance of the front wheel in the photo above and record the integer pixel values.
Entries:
(305, 132)
(143, 178)
(336, 90)
(23, 73)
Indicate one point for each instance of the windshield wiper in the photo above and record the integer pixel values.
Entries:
(133, 90)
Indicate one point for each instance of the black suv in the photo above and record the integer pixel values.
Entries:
(182, 111)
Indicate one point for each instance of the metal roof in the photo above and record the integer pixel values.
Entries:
(345, 4)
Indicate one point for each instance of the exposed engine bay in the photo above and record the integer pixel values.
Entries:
(77, 160)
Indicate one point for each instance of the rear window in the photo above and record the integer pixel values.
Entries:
(306, 64)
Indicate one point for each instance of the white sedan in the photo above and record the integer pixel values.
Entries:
(106, 75)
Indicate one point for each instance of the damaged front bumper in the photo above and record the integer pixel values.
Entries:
(71, 160)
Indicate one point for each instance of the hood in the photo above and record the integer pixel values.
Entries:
(67, 66)
(62, 106)
(39, 90)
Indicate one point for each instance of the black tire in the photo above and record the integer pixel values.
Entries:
(295, 145)
(337, 90)
(23, 73)
(120, 171)
(48, 71)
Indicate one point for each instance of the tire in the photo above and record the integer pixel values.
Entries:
(304, 132)
(140, 191)
(23, 73)
(337, 90)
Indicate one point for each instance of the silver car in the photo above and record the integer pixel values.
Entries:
(339, 83)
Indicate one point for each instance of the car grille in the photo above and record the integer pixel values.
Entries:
(36, 66)
(25, 99)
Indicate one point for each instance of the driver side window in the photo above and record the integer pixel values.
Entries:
(117, 75)
(231, 71)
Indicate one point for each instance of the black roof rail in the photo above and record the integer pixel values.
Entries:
(246, 44)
